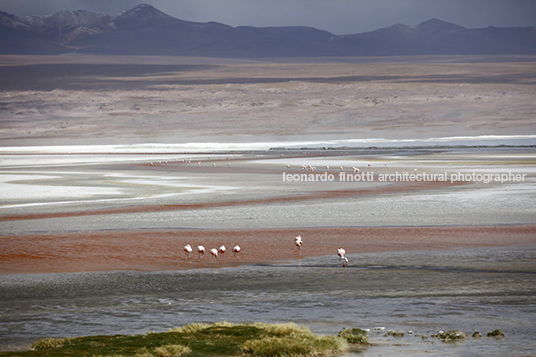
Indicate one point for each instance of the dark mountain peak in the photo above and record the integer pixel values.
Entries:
(141, 16)
(439, 26)
(399, 31)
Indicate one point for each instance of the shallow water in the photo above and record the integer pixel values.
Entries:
(470, 290)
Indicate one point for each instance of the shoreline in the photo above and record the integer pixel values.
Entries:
(162, 249)
(392, 187)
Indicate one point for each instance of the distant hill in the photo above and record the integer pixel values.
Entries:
(144, 30)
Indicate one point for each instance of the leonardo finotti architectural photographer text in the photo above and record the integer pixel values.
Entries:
(404, 177)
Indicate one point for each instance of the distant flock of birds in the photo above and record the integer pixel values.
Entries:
(199, 162)
(239, 155)
(216, 253)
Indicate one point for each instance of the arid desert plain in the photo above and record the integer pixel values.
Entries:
(422, 168)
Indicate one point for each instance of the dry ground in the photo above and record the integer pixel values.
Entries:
(92, 99)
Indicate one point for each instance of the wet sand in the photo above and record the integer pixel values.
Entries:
(155, 250)
(319, 195)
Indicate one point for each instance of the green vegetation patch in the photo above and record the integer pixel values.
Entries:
(354, 336)
(197, 340)
(496, 333)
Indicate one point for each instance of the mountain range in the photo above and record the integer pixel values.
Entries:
(144, 30)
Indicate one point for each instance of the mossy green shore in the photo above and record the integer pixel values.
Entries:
(200, 340)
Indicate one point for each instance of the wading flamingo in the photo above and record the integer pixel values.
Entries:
(201, 251)
(236, 250)
(214, 253)
(298, 242)
(187, 250)
(222, 250)
(342, 254)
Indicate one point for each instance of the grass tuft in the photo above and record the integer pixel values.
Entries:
(354, 336)
(288, 340)
(496, 333)
(191, 328)
(171, 351)
(49, 343)
(289, 329)
(292, 347)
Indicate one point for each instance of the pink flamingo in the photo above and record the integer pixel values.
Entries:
(201, 251)
(187, 250)
(342, 254)
(214, 253)
(236, 250)
(298, 242)
(222, 250)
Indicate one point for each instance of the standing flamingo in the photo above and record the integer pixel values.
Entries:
(201, 251)
(187, 250)
(214, 253)
(342, 254)
(222, 250)
(236, 250)
(298, 242)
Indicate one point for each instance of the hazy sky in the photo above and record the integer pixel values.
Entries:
(336, 16)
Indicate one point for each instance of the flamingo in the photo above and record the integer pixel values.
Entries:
(201, 250)
(236, 250)
(298, 242)
(222, 250)
(342, 254)
(214, 253)
(187, 250)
